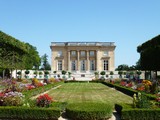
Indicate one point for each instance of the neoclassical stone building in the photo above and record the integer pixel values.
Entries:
(82, 57)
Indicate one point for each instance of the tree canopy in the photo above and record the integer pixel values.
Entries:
(150, 54)
(15, 54)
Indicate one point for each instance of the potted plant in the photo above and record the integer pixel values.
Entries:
(19, 74)
(64, 73)
(40, 74)
(131, 74)
(46, 74)
(124, 73)
(120, 74)
(111, 73)
(35, 74)
(102, 73)
(96, 75)
(69, 74)
(27, 72)
(54, 73)
(139, 73)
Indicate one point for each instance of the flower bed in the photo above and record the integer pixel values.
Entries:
(129, 91)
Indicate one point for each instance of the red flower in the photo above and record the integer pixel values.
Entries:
(29, 87)
(123, 83)
(44, 100)
(1, 94)
(158, 99)
(39, 84)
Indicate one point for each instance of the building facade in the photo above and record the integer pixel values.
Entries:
(82, 57)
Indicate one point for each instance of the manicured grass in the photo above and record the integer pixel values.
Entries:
(88, 92)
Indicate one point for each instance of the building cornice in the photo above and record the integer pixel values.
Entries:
(82, 44)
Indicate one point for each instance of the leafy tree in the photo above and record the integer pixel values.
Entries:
(45, 63)
(149, 54)
(32, 59)
(15, 54)
(133, 67)
(138, 65)
(123, 67)
(11, 52)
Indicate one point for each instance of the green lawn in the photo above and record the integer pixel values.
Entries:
(88, 92)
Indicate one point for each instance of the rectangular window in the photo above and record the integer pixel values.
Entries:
(83, 66)
(59, 64)
(92, 65)
(73, 65)
(73, 53)
(59, 53)
(105, 53)
(91, 53)
(105, 65)
(83, 53)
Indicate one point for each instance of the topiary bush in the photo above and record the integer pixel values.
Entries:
(89, 111)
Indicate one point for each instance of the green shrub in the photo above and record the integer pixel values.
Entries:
(128, 113)
(142, 101)
(120, 106)
(89, 111)
(140, 114)
(29, 113)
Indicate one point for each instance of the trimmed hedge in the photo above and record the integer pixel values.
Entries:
(128, 113)
(89, 111)
(125, 90)
(128, 91)
(140, 114)
(29, 113)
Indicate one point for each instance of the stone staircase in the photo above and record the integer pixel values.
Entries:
(82, 76)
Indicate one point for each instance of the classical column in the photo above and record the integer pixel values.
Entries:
(97, 61)
(87, 64)
(78, 66)
(69, 61)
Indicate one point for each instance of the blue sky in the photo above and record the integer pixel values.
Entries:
(128, 23)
